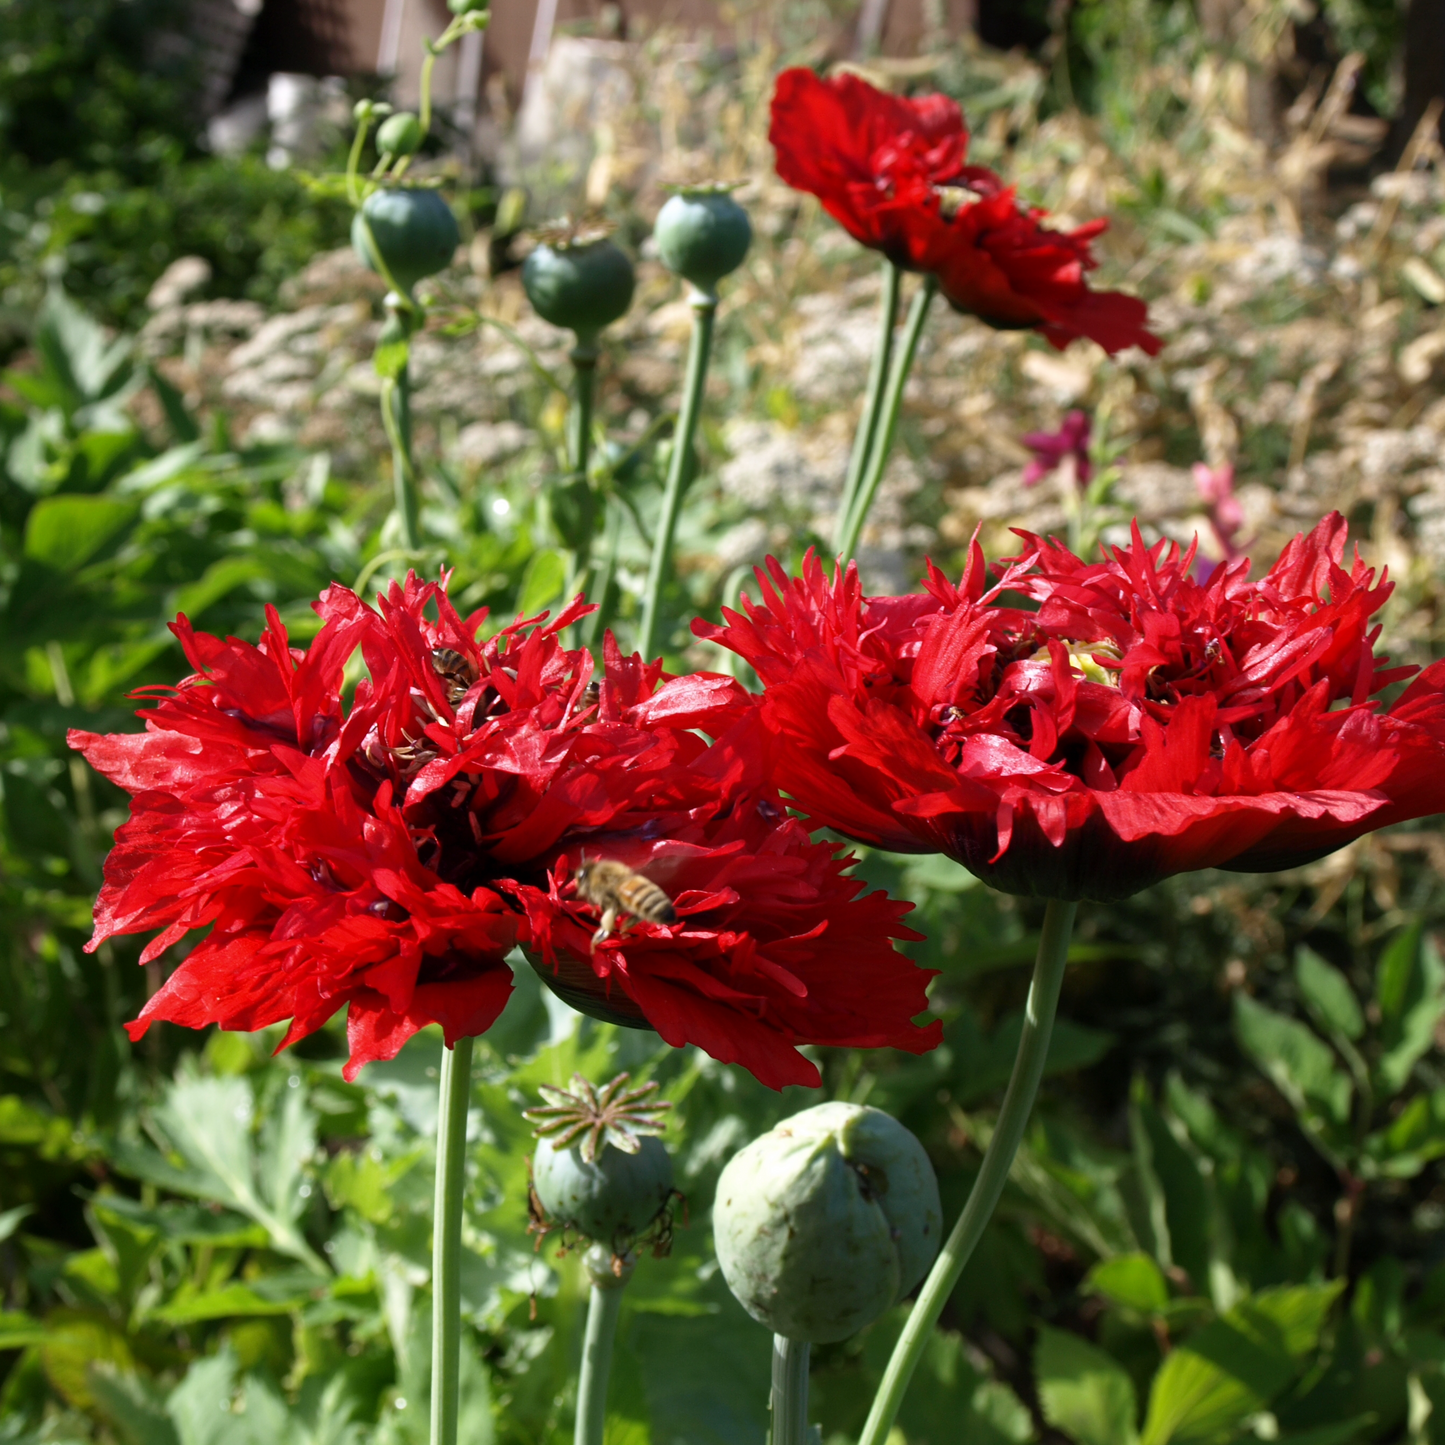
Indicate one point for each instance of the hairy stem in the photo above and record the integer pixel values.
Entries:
(704, 310)
(446, 1317)
(1043, 1003)
(873, 401)
(887, 423)
(790, 1391)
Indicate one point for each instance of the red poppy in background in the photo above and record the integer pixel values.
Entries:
(386, 856)
(1138, 723)
(891, 171)
(995, 260)
(873, 159)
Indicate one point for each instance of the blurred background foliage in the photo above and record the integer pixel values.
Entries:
(1226, 1223)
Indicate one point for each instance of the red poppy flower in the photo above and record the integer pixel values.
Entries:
(874, 160)
(1137, 724)
(387, 856)
(892, 173)
(995, 260)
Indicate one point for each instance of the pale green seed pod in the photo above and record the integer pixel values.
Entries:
(612, 1200)
(826, 1221)
(702, 235)
(400, 135)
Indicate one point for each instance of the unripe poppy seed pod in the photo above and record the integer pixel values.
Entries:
(703, 235)
(826, 1221)
(612, 1200)
(583, 286)
(399, 134)
(414, 229)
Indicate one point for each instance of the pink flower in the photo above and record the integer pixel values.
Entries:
(1051, 448)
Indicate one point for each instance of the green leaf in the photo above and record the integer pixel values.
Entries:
(1327, 994)
(1233, 1368)
(1181, 1212)
(66, 532)
(1084, 1392)
(234, 1301)
(10, 1219)
(543, 581)
(1132, 1280)
(1297, 1061)
(18, 1330)
(129, 1404)
(1410, 992)
(1414, 1137)
(208, 1122)
(200, 1405)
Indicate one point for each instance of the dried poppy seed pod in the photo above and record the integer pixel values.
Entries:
(702, 235)
(826, 1220)
(414, 229)
(580, 280)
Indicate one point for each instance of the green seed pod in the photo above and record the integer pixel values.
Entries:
(399, 135)
(414, 230)
(612, 1200)
(702, 235)
(469, 7)
(826, 1221)
(583, 285)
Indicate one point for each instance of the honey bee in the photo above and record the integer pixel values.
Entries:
(615, 888)
(456, 670)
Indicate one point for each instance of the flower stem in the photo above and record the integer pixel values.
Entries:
(604, 1301)
(877, 378)
(446, 1316)
(704, 309)
(1018, 1102)
(887, 424)
(584, 361)
(790, 1391)
(396, 418)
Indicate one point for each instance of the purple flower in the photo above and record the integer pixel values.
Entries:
(1052, 448)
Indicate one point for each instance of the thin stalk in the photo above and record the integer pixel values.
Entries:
(887, 424)
(1043, 1003)
(596, 624)
(604, 1302)
(790, 1391)
(353, 161)
(579, 444)
(446, 1309)
(877, 379)
(704, 311)
(396, 418)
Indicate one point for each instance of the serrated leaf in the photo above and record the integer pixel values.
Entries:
(1327, 994)
(129, 1404)
(1084, 1392)
(1235, 1367)
(200, 1406)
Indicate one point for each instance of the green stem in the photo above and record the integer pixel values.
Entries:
(1043, 1003)
(396, 418)
(579, 444)
(704, 310)
(887, 424)
(790, 1391)
(877, 378)
(353, 161)
(604, 1302)
(446, 1312)
(596, 624)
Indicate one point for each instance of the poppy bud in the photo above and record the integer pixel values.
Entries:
(583, 284)
(414, 230)
(702, 235)
(399, 135)
(469, 7)
(826, 1221)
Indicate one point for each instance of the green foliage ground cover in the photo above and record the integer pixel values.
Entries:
(1224, 1226)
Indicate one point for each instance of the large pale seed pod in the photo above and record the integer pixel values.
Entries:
(827, 1220)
